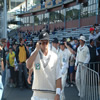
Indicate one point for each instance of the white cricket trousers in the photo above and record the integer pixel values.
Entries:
(64, 77)
(37, 98)
(42, 96)
(81, 79)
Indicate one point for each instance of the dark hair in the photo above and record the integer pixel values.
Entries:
(3, 40)
(95, 25)
(20, 40)
(91, 40)
(81, 34)
(71, 38)
(64, 39)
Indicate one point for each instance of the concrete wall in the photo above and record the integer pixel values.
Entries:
(70, 24)
(99, 19)
(25, 28)
(88, 21)
(56, 25)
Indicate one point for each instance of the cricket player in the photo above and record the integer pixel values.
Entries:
(64, 55)
(83, 55)
(47, 74)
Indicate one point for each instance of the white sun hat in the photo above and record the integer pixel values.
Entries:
(82, 38)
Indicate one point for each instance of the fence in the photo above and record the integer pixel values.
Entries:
(95, 66)
(89, 82)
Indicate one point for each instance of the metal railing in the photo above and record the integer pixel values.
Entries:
(95, 66)
(89, 82)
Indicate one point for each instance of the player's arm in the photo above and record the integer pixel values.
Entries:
(31, 59)
(58, 89)
(2, 65)
(29, 76)
(70, 49)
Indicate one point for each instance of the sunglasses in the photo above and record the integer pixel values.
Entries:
(44, 43)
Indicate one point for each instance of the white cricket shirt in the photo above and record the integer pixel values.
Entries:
(64, 57)
(45, 78)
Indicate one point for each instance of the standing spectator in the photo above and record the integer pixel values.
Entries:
(93, 54)
(71, 69)
(93, 51)
(83, 56)
(15, 64)
(47, 80)
(98, 39)
(91, 33)
(93, 36)
(21, 56)
(10, 61)
(98, 42)
(3, 62)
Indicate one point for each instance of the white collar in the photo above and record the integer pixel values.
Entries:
(54, 48)
(47, 54)
(81, 47)
(63, 50)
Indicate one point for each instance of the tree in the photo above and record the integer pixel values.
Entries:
(72, 14)
(36, 20)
